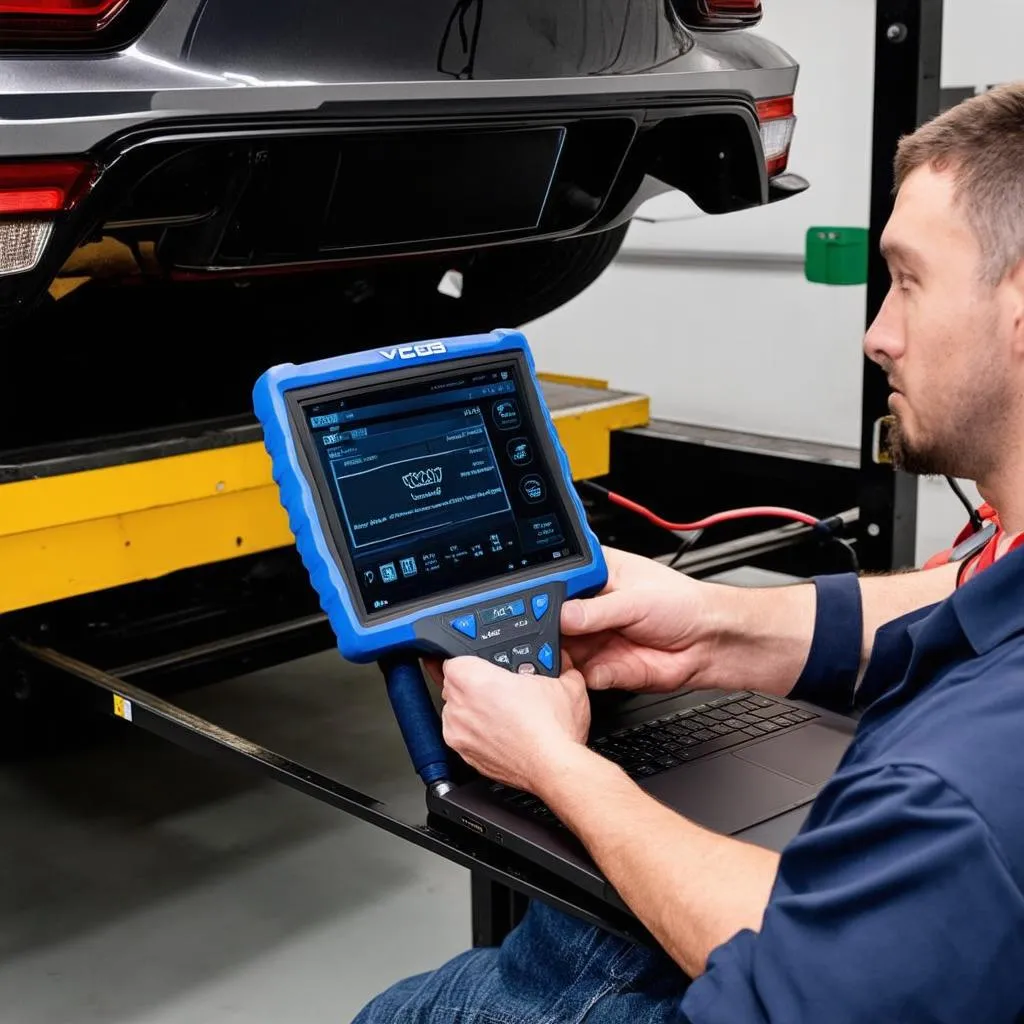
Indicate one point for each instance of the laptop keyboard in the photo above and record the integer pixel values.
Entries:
(645, 750)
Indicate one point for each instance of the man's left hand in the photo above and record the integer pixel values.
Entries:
(511, 728)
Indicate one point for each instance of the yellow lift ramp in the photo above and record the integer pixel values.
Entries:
(141, 508)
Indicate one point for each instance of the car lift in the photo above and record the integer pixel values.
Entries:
(225, 482)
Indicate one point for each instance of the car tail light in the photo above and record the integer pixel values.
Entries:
(31, 195)
(22, 243)
(56, 18)
(719, 14)
(778, 123)
(44, 186)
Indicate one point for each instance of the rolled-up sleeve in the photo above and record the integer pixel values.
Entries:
(829, 677)
(897, 905)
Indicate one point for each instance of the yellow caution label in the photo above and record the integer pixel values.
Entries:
(122, 707)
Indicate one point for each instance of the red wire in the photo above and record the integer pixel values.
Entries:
(758, 511)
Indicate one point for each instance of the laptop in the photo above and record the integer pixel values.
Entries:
(738, 763)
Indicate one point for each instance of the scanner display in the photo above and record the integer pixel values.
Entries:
(437, 484)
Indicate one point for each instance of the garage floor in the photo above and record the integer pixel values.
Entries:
(141, 883)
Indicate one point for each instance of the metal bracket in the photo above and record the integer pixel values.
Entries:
(908, 64)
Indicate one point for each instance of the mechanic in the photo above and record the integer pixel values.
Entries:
(901, 899)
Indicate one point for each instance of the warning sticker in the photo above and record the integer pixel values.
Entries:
(122, 708)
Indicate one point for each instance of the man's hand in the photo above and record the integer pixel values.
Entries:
(649, 630)
(654, 630)
(509, 727)
(693, 889)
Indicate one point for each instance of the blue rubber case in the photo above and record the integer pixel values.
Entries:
(357, 640)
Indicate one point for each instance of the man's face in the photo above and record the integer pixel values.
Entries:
(941, 336)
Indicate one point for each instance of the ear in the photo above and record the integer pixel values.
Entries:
(1013, 290)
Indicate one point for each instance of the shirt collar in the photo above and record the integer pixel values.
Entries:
(990, 606)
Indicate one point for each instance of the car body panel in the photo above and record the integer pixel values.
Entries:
(223, 132)
(238, 58)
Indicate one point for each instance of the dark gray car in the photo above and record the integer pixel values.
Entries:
(212, 179)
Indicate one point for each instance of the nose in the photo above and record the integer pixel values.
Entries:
(884, 342)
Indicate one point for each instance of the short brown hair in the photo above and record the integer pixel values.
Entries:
(982, 139)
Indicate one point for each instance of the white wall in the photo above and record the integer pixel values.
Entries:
(982, 42)
(768, 352)
(761, 352)
(764, 352)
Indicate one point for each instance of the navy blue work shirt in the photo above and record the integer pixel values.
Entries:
(902, 898)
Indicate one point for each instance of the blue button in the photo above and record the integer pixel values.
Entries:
(466, 625)
(546, 657)
(540, 605)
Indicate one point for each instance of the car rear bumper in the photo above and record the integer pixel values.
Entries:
(71, 103)
(231, 170)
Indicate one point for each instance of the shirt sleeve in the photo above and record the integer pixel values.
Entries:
(896, 905)
(829, 677)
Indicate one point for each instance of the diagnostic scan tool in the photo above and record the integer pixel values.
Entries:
(431, 501)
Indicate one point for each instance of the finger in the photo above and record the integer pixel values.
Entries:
(614, 665)
(567, 664)
(582, 649)
(574, 680)
(469, 669)
(601, 677)
(608, 611)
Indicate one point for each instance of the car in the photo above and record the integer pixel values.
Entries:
(210, 186)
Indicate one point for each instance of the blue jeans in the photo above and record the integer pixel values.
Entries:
(552, 969)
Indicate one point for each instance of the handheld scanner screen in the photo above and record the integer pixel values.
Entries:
(431, 499)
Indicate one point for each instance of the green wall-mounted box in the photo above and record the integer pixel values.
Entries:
(837, 256)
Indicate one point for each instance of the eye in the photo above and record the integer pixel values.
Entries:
(902, 281)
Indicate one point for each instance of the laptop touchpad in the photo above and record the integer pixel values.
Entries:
(811, 754)
(726, 794)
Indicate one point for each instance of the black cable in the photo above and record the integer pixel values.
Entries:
(976, 520)
(829, 529)
(593, 487)
(686, 544)
(851, 552)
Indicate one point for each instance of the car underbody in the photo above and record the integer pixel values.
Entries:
(231, 182)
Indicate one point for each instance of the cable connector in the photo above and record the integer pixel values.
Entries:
(831, 527)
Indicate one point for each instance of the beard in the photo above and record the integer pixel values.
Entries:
(967, 446)
(934, 459)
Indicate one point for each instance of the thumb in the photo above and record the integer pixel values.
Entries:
(608, 611)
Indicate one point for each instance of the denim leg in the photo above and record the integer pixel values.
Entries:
(552, 969)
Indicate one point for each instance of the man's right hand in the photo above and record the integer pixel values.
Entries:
(643, 632)
(655, 630)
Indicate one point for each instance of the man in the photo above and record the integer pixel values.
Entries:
(903, 897)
